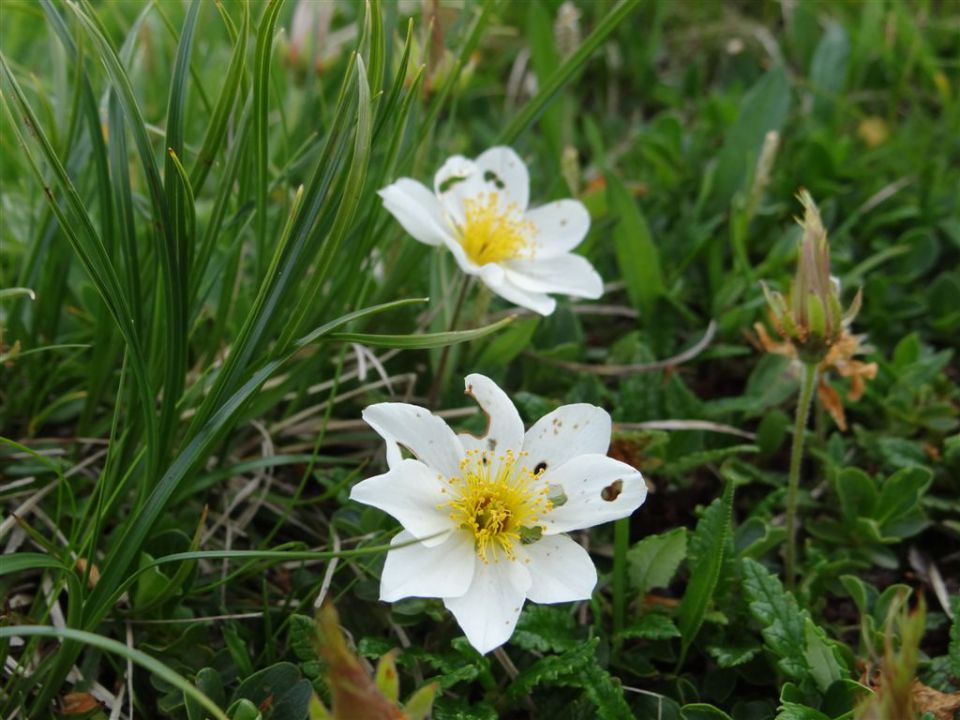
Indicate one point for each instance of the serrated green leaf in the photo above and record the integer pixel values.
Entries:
(652, 626)
(779, 615)
(707, 547)
(460, 709)
(300, 636)
(576, 667)
(728, 656)
(604, 691)
(653, 561)
(555, 669)
(542, 628)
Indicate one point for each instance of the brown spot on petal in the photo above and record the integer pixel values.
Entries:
(612, 491)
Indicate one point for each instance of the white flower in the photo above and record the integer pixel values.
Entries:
(491, 512)
(478, 210)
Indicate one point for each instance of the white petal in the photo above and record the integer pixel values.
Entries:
(420, 571)
(504, 426)
(561, 226)
(417, 209)
(504, 172)
(586, 481)
(488, 611)
(538, 302)
(567, 432)
(560, 570)
(454, 170)
(413, 494)
(567, 274)
(428, 437)
(456, 180)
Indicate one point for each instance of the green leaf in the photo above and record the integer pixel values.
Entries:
(150, 584)
(653, 561)
(901, 492)
(796, 711)
(728, 656)
(707, 547)
(210, 684)
(702, 711)
(764, 108)
(652, 626)
(861, 592)
(857, 492)
(274, 680)
(779, 615)
(506, 346)
(555, 669)
(824, 667)
(243, 709)
(828, 68)
(772, 430)
(637, 255)
(576, 667)
(542, 628)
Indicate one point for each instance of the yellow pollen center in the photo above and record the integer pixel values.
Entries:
(497, 499)
(492, 232)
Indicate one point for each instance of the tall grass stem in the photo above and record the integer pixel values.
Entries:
(438, 378)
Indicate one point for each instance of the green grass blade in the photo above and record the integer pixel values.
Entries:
(261, 120)
(565, 73)
(78, 228)
(229, 94)
(139, 657)
(421, 341)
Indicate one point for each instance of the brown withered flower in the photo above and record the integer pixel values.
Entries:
(811, 316)
(839, 359)
(811, 324)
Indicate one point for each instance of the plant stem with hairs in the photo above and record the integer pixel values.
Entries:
(807, 384)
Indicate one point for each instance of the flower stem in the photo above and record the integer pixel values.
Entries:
(437, 383)
(621, 543)
(807, 384)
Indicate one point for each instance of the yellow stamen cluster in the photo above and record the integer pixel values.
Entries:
(491, 232)
(495, 498)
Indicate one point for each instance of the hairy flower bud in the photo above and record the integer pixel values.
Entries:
(812, 317)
